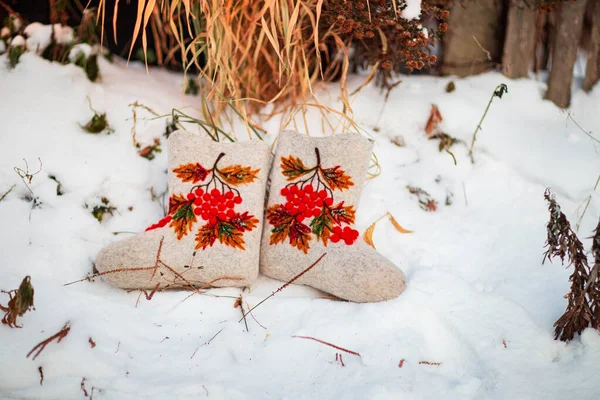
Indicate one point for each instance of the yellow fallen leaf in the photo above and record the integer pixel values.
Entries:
(368, 234)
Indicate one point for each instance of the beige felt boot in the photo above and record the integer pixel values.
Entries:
(211, 235)
(315, 188)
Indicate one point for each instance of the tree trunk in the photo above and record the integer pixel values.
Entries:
(592, 70)
(473, 44)
(519, 44)
(568, 33)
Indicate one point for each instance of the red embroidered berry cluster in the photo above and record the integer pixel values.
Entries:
(160, 224)
(215, 206)
(348, 235)
(311, 198)
(305, 202)
(212, 205)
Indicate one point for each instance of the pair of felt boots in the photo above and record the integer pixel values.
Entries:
(217, 232)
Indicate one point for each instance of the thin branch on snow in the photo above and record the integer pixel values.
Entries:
(329, 344)
(42, 345)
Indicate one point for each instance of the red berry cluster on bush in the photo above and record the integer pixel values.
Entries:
(379, 33)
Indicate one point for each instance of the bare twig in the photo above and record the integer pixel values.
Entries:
(589, 134)
(12, 12)
(587, 204)
(329, 344)
(286, 284)
(437, 364)
(489, 56)
(41, 371)
(112, 271)
(92, 343)
(85, 392)
(254, 318)
(42, 345)
(211, 339)
(7, 192)
(239, 302)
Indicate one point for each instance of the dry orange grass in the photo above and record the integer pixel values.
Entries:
(251, 53)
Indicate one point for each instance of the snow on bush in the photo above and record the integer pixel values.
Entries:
(39, 36)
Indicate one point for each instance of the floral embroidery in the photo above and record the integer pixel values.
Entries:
(213, 202)
(310, 196)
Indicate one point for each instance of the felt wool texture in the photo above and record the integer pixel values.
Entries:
(315, 188)
(211, 235)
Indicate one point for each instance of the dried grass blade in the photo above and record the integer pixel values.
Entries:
(147, 15)
(115, 12)
(138, 23)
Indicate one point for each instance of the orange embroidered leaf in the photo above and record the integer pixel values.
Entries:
(176, 201)
(230, 235)
(336, 178)
(238, 175)
(244, 222)
(293, 168)
(281, 220)
(191, 172)
(206, 236)
(183, 217)
(300, 236)
(342, 214)
(322, 225)
(435, 117)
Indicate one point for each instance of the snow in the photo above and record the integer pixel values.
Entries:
(63, 34)
(17, 41)
(412, 10)
(478, 301)
(39, 36)
(84, 48)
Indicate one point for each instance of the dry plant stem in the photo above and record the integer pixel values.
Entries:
(85, 393)
(587, 204)
(589, 134)
(12, 12)
(437, 364)
(499, 89)
(254, 318)
(42, 345)
(207, 286)
(41, 371)
(28, 175)
(7, 192)
(241, 302)
(112, 271)
(328, 344)
(295, 278)
(212, 338)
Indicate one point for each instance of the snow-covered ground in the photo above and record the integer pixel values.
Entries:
(478, 301)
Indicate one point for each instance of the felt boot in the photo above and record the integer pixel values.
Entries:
(211, 234)
(315, 188)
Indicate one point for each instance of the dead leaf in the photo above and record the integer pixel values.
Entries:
(435, 117)
(368, 234)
